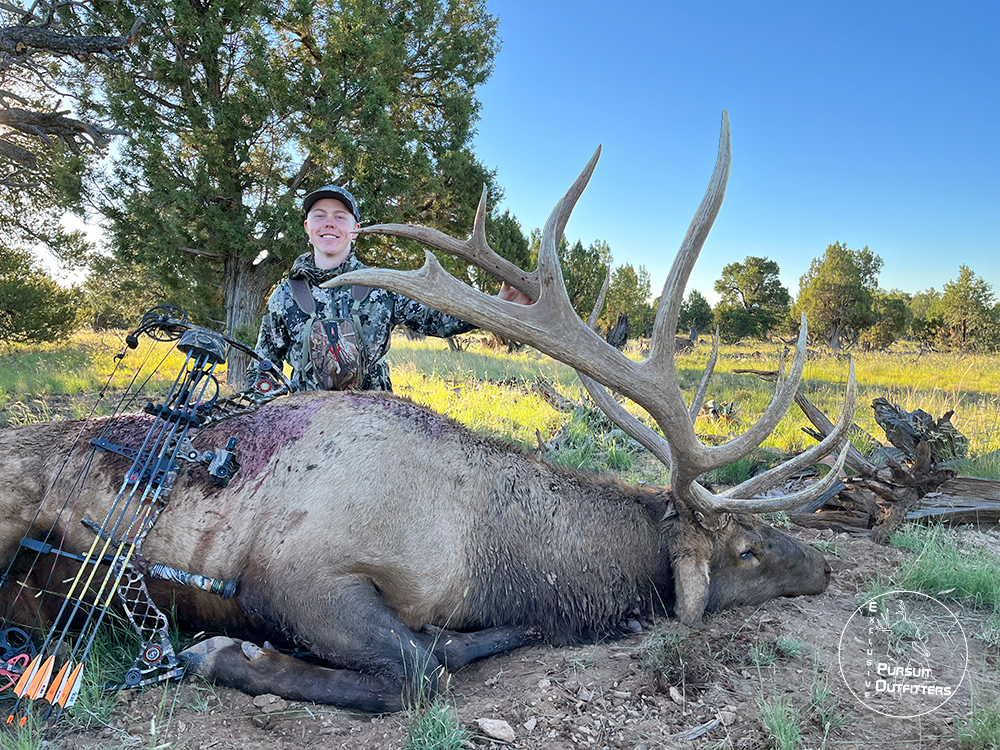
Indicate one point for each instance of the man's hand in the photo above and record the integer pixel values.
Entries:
(510, 294)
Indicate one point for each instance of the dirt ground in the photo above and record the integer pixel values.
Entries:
(608, 695)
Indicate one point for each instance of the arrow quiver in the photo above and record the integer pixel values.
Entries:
(114, 567)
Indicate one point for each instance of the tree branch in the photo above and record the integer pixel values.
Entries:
(20, 40)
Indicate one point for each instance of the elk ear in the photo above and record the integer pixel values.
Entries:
(690, 556)
(691, 582)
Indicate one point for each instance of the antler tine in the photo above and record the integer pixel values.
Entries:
(769, 479)
(714, 504)
(549, 270)
(784, 394)
(631, 426)
(672, 296)
(476, 249)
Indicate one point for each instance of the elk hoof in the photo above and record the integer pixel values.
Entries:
(200, 658)
(251, 650)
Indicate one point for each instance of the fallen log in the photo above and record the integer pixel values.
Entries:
(960, 500)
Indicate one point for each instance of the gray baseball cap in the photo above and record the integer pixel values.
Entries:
(332, 191)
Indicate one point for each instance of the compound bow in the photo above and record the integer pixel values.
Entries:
(191, 404)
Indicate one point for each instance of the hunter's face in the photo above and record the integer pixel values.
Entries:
(330, 226)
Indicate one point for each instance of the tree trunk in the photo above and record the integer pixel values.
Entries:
(246, 287)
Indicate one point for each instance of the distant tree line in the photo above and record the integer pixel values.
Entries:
(845, 307)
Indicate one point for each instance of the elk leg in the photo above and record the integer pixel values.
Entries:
(254, 670)
(455, 649)
(353, 628)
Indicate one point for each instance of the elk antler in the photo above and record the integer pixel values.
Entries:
(552, 326)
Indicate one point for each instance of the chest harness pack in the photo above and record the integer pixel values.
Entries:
(333, 346)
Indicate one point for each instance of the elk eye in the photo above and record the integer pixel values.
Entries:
(746, 554)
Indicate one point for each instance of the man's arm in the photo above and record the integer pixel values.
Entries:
(430, 322)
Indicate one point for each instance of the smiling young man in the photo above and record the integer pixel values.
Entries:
(299, 307)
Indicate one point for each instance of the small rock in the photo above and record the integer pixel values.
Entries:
(727, 718)
(498, 729)
(544, 684)
(531, 723)
(675, 695)
(572, 685)
(270, 704)
(585, 695)
(634, 626)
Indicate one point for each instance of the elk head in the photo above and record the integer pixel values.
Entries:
(552, 326)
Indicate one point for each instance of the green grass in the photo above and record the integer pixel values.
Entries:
(490, 391)
(782, 722)
(823, 708)
(29, 737)
(945, 568)
(981, 731)
(62, 380)
(435, 727)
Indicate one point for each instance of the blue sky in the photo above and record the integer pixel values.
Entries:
(870, 123)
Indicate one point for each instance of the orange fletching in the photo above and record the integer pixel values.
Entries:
(56, 684)
(36, 688)
(71, 689)
(22, 684)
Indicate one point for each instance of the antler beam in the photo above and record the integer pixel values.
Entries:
(553, 327)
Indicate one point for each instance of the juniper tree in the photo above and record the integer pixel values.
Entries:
(238, 107)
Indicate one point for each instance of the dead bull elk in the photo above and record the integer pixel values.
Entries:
(359, 518)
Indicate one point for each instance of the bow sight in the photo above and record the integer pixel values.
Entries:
(192, 402)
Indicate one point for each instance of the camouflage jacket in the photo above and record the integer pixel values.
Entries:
(378, 311)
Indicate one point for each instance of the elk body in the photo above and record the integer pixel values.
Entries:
(358, 519)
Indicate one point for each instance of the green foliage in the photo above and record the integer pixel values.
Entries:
(925, 319)
(33, 307)
(753, 300)
(116, 294)
(238, 107)
(966, 310)
(787, 647)
(892, 319)
(46, 150)
(584, 269)
(943, 569)
(823, 707)
(695, 313)
(837, 294)
(589, 441)
(981, 731)
(114, 649)
(628, 293)
(29, 737)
